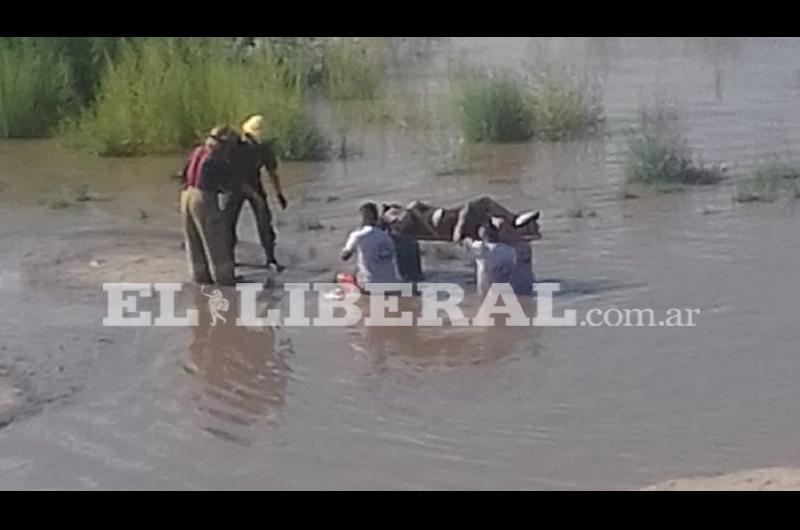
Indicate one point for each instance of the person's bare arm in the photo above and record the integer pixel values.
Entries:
(349, 247)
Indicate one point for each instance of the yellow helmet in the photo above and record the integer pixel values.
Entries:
(254, 125)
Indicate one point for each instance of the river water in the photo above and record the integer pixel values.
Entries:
(86, 406)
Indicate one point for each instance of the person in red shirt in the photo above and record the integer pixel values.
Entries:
(209, 178)
(191, 170)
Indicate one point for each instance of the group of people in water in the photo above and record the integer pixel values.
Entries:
(219, 176)
(225, 171)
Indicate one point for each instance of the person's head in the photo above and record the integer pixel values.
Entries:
(219, 139)
(390, 207)
(369, 214)
(254, 126)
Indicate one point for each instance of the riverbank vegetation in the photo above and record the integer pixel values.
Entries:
(354, 69)
(161, 95)
(35, 89)
(501, 107)
(155, 95)
(658, 154)
(137, 96)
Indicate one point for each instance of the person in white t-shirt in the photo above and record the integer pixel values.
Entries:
(494, 261)
(375, 249)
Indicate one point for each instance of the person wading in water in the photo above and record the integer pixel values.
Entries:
(251, 153)
(494, 261)
(209, 181)
(376, 259)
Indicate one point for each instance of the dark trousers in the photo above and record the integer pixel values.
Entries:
(258, 202)
(409, 261)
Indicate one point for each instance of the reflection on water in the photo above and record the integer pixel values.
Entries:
(241, 371)
(443, 347)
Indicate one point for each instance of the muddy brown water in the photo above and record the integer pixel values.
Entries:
(83, 406)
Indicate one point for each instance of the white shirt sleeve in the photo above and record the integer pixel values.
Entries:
(352, 241)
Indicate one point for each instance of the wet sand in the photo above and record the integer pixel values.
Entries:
(364, 408)
(773, 479)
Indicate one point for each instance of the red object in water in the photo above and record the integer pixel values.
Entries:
(346, 277)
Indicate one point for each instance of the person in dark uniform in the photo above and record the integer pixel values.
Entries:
(251, 154)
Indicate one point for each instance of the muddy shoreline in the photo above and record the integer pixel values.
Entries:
(770, 479)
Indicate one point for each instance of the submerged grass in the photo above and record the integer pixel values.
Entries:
(768, 183)
(500, 107)
(657, 154)
(494, 109)
(564, 105)
(162, 95)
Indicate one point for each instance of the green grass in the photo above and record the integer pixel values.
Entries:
(506, 108)
(768, 183)
(494, 109)
(563, 106)
(86, 58)
(162, 95)
(295, 62)
(657, 154)
(35, 88)
(344, 68)
(46, 79)
(353, 68)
